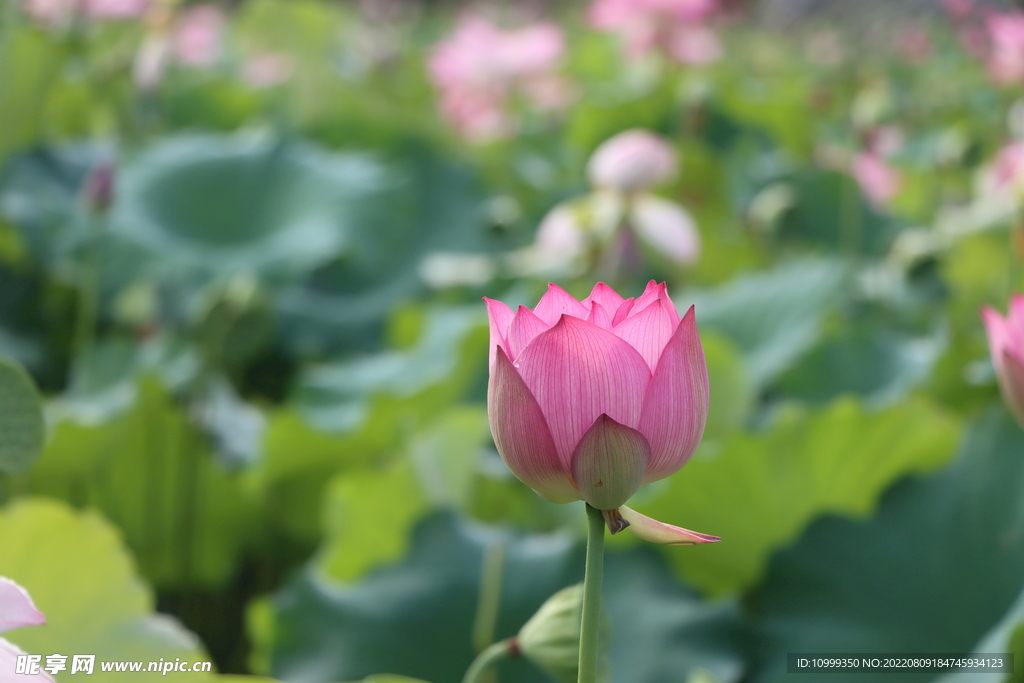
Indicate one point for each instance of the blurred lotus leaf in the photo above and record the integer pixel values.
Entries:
(438, 207)
(150, 471)
(80, 575)
(21, 418)
(732, 394)
(1006, 636)
(831, 211)
(890, 583)
(881, 367)
(39, 193)
(337, 396)
(773, 317)
(806, 464)
(22, 88)
(246, 202)
(427, 602)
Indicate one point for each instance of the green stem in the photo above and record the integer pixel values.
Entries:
(489, 600)
(485, 660)
(592, 579)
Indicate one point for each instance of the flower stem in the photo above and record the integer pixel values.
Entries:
(489, 600)
(485, 660)
(592, 579)
(88, 292)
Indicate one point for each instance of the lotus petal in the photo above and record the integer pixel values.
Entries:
(609, 463)
(577, 372)
(658, 532)
(522, 436)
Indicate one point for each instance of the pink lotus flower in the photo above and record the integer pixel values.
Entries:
(1006, 54)
(480, 68)
(193, 38)
(589, 400)
(1006, 344)
(676, 27)
(16, 611)
(631, 161)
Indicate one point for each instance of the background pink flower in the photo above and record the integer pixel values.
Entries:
(116, 9)
(958, 9)
(1008, 167)
(479, 68)
(676, 27)
(269, 69)
(877, 179)
(198, 35)
(1006, 52)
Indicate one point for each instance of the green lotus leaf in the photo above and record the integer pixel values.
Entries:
(80, 576)
(247, 202)
(939, 568)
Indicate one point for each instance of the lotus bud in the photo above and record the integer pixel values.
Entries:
(551, 638)
(589, 400)
(632, 161)
(99, 188)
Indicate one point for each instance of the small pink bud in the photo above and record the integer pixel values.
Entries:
(632, 161)
(99, 187)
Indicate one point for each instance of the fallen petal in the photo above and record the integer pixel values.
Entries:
(658, 532)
